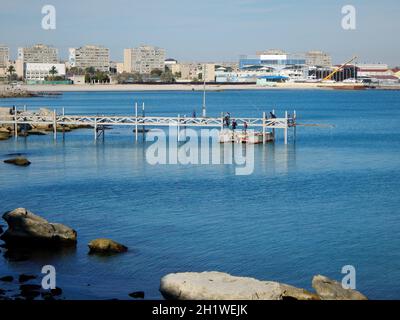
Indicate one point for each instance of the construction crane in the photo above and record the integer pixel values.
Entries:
(329, 76)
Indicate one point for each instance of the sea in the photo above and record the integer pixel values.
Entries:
(328, 199)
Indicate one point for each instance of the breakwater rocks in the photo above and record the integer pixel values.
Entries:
(223, 286)
(24, 227)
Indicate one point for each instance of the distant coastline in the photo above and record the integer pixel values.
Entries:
(32, 90)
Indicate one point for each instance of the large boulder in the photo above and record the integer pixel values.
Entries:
(18, 161)
(106, 246)
(328, 289)
(223, 286)
(26, 228)
(4, 133)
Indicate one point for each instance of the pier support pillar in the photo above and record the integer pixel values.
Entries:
(15, 123)
(55, 124)
(95, 129)
(263, 124)
(144, 129)
(136, 122)
(286, 128)
(178, 129)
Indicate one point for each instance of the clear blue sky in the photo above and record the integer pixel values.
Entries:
(209, 29)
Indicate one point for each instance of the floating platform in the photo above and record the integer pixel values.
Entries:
(239, 136)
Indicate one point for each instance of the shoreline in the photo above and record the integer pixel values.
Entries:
(187, 87)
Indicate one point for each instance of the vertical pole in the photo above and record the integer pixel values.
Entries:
(263, 124)
(95, 129)
(143, 120)
(63, 111)
(222, 121)
(55, 124)
(24, 107)
(286, 127)
(273, 130)
(204, 110)
(136, 119)
(178, 128)
(294, 123)
(15, 123)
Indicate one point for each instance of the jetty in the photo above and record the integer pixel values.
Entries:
(262, 128)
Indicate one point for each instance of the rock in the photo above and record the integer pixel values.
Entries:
(36, 132)
(222, 286)
(56, 292)
(19, 161)
(24, 227)
(137, 295)
(25, 277)
(106, 246)
(328, 289)
(7, 279)
(4, 135)
(30, 291)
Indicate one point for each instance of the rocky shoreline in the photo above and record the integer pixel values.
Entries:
(28, 230)
(8, 130)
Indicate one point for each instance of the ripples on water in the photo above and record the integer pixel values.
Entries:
(329, 200)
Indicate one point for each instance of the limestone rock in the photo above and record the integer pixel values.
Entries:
(328, 289)
(106, 246)
(19, 161)
(30, 229)
(222, 286)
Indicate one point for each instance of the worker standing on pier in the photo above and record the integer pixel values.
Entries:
(245, 126)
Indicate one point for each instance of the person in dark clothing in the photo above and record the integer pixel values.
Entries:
(234, 124)
(245, 126)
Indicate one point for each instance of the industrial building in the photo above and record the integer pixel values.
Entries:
(318, 58)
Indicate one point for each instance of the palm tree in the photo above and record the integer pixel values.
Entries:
(11, 71)
(53, 71)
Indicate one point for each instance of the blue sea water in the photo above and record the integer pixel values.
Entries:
(329, 199)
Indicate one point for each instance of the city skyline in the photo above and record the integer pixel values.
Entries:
(209, 31)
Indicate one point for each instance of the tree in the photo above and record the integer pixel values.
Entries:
(156, 72)
(11, 71)
(167, 76)
(53, 71)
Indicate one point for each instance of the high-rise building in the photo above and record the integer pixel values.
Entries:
(144, 59)
(4, 56)
(96, 57)
(38, 53)
(318, 58)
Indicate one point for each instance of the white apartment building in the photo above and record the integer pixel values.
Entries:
(4, 56)
(38, 53)
(40, 71)
(96, 57)
(144, 59)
